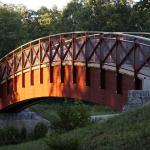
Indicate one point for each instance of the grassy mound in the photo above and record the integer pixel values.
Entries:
(128, 131)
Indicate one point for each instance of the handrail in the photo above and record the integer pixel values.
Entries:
(127, 34)
(111, 41)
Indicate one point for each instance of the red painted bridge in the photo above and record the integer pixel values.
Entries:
(92, 66)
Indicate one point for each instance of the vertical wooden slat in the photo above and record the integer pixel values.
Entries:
(7, 87)
(62, 67)
(50, 60)
(137, 81)
(118, 75)
(14, 72)
(119, 83)
(40, 62)
(22, 68)
(74, 68)
(102, 78)
(87, 69)
(31, 63)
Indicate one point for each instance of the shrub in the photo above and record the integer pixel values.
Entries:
(23, 134)
(70, 117)
(40, 130)
(58, 142)
(2, 137)
(9, 135)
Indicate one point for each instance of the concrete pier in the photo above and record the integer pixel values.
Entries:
(24, 119)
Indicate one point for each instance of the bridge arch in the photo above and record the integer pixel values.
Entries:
(98, 67)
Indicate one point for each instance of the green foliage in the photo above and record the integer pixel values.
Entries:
(33, 145)
(10, 135)
(19, 25)
(142, 15)
(10, 30)
(58, 142)
(23, 134)
(70, 117)
(48, 109)
(131, 130)
(40, 130)
(128, 131)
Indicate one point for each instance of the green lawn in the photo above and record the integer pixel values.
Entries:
(33, 145)
(128, 131)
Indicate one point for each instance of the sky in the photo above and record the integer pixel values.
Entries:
(36, 4)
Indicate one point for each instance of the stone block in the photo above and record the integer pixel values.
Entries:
(137, 98)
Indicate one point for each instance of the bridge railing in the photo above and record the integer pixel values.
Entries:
(120, 51)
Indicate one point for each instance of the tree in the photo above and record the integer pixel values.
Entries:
(19, 25)
(142, 13)
(10, 29)
(48, 20)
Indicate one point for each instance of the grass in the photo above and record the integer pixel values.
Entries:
(128, 131)
(33, 145)
(49, 110)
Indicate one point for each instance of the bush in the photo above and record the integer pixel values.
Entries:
(2, 137)
(9, 135)
(70, 117)
(40, 130)
(23, 134)
(58, 142)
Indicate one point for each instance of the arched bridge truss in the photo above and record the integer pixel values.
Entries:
(122, 53)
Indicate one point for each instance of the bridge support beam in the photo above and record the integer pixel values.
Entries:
(102, 78)
(14, 84)
(51, 68)
(118, 83)
(62, 70)
(23, 80)
(41, 75)
(74, 74)
(32, 77)
(88, 77)
(137, 83)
